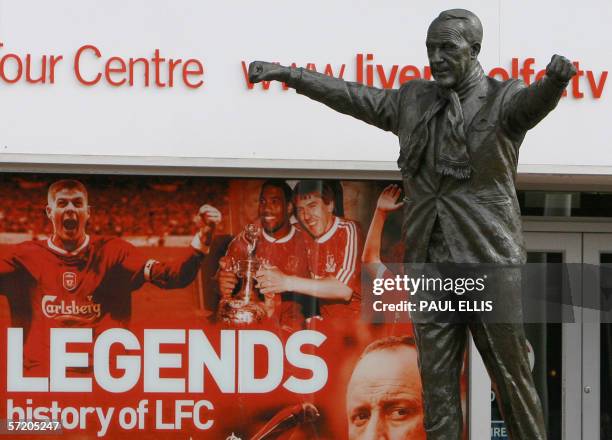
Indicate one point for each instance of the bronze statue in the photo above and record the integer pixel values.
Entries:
(459, 144)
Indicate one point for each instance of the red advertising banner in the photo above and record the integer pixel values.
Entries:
(190, 307)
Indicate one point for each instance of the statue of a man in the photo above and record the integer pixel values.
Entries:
(459, 144)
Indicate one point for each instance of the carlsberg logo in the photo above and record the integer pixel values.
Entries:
(52, 309)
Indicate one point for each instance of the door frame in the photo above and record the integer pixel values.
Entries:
(593, 244)
(570, 244)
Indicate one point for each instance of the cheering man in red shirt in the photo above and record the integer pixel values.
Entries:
(77, 280)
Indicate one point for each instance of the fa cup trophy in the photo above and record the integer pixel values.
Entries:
(245, 307)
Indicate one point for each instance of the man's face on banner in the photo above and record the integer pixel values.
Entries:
(274, 210)
(314, 214)
(384, 396)
(68, 211)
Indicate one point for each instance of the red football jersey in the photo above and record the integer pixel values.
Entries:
(50, 287)
(337, 253)
(289, 254)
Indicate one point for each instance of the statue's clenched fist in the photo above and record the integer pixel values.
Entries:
(264, 71)
(560, 68)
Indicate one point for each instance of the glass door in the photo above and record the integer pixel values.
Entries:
(555, 348)
(597, 343)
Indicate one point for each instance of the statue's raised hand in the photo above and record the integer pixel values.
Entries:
(264, 71)
(560, 68)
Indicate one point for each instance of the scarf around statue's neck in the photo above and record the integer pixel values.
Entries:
(452, 156)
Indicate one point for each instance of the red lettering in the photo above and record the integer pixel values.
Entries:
(43, 70)
(387, 83)
(157, 60)
(328, 71)
(145, 64)
(576, 81)
(198, 71)
(110, 70)
(19, 68)
(515, 69)
(53, 61)
(265, 84)
(77, 60)
(597, 89)
(359, 68)
(369, 71)
(171, 66)
(501, 72)
(245, 72)
(526, 71)
(409, 73)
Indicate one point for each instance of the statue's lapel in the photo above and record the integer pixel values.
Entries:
(426, 97)
(485, 119)
(486, 96)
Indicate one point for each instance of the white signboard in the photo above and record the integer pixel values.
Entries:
(159, 78)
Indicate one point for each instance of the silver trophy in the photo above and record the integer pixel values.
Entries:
(245, 307)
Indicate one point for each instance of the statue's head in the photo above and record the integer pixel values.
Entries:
(453, 44)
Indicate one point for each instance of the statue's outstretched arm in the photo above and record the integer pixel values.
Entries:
(375, 106)
(531, 104)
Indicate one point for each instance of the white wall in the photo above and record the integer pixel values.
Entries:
(223, 119)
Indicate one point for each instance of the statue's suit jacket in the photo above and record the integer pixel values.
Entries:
(479, 216)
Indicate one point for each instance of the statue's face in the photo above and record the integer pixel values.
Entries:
(450, 55)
